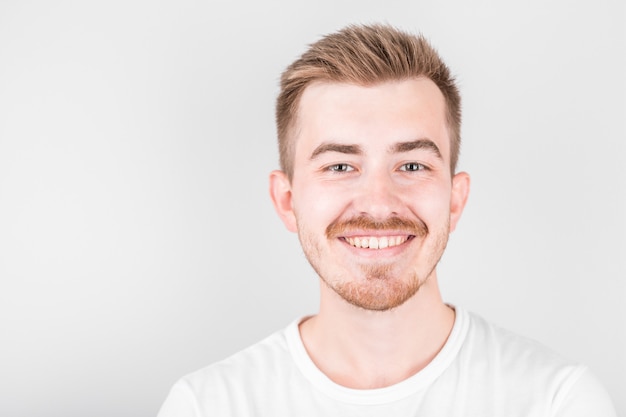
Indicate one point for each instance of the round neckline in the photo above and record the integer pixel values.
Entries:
(389, 394)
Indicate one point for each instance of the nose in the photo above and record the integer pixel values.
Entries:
(377, 196)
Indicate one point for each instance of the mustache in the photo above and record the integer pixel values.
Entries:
(364, 223)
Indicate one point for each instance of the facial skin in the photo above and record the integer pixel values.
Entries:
(372, 197)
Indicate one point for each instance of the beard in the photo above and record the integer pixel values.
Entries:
(380, 291)
(381, 286)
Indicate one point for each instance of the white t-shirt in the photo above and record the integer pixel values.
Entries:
(481, 371)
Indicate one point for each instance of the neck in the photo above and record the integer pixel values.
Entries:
(364, 349)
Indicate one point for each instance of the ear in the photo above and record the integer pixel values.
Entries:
(280, 192)
(458, 198)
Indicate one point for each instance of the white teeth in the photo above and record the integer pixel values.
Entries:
(374, 242)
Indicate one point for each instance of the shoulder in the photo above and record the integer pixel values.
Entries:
(535, 373)
(254, 361)
(511, 349)
(587, 397)
(226, 386)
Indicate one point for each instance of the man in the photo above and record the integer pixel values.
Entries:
(369, 132)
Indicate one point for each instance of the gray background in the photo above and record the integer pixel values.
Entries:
(137, 239)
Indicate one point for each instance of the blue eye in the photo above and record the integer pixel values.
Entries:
(340, 168)
(412, 167)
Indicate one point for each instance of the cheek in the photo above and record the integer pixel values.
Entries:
(431, 203)
(315, 206)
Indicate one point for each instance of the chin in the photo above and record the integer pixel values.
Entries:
(378, 292)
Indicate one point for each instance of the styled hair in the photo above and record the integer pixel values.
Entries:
(363, 55)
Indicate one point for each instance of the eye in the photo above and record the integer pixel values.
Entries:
(340, 168)
(412, 167)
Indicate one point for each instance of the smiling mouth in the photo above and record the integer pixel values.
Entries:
(376, 242)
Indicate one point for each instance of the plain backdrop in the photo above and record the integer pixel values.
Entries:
(137, 239)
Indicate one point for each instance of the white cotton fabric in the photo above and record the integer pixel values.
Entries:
(481, 371)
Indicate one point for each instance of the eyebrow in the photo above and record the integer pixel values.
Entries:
(423, 143)
(336, 147)
(399, 147)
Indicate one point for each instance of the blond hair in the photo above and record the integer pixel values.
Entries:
(364, 55)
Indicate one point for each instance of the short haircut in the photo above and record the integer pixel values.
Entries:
(363, 55)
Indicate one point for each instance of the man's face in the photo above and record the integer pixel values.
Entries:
(372, 197)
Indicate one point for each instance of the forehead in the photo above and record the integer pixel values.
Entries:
(373, 116)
